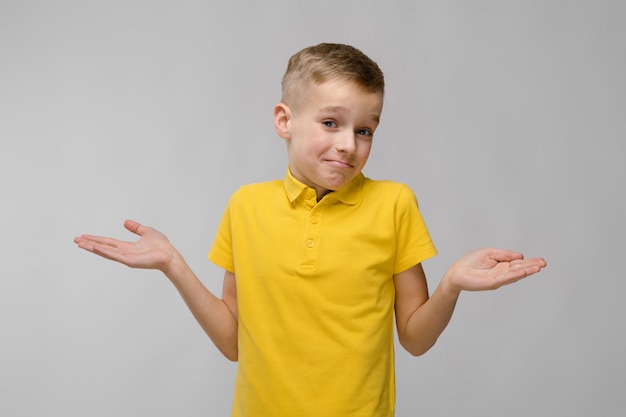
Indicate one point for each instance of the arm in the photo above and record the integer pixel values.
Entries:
(420, 319)
(217, 317)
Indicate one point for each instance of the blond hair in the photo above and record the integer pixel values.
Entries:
(330, 61)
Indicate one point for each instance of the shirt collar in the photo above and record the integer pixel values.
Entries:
(350, 194)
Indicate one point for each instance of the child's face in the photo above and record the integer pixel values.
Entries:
(329, 133)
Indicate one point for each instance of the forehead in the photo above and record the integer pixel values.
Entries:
(340, 96)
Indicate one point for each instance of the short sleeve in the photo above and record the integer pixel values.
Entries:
(221, 252)
(413, 242)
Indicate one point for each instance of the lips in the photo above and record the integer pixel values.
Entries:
(339, 163)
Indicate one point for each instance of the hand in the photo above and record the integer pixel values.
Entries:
(152, 251)
(488, 269)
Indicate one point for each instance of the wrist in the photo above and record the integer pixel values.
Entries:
(447, 286)
(175, 267)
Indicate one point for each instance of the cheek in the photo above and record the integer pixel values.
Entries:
(364, 151)
(304, 151)
(316, 145)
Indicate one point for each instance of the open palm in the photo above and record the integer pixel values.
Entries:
(152, 251)
(488, 269)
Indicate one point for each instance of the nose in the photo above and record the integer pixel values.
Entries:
(346, 142)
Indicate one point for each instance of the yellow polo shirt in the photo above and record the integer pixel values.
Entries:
(315, 294)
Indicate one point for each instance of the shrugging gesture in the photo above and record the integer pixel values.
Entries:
(421, 319)
(152, 251)
(488, 269)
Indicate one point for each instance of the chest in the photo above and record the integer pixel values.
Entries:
(340, 238)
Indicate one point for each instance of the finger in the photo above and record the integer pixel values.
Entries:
(534, 264)
(522, 269)
(539, 261)
(133, 226)
(102, 251)
(108, 252)
(90, 244)
(84, 243)
(100, 240)
(503, 255)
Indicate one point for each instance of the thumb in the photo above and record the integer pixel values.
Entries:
(134, 227)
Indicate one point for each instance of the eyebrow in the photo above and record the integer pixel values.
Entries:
(342, 109)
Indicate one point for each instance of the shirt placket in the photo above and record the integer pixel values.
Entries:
(311, 239)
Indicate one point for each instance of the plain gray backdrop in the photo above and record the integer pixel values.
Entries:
(507, 118)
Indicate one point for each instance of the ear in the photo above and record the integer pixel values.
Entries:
(282, 119)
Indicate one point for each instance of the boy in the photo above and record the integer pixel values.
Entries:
(317, 264)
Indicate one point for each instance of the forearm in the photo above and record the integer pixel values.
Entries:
(210, 311)
(154, 251)
(422, 329)
(421, 319)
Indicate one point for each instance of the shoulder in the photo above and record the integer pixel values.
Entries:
(254, 194)
(388, 189)
(257, 190)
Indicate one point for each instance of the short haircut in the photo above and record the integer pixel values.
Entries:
(330, 61)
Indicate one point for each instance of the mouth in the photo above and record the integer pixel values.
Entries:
(339, 163)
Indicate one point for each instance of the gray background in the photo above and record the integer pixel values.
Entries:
(505, 117)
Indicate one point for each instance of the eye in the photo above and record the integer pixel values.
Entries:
(329, 123)
(364, 132)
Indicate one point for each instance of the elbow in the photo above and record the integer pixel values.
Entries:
(416, 352)
(228, 347)
(227, 343)
(417, 347)
(231, 354)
